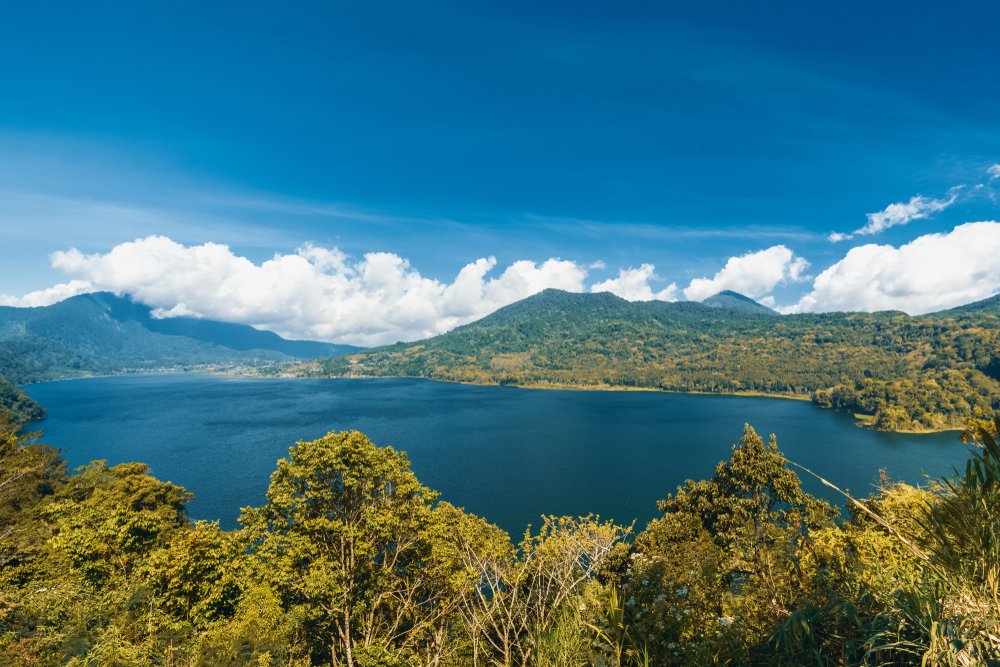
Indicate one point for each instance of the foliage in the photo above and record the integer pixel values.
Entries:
(29, 472)
(346, 535)
(27, 358)
(353, 562)
(20, 407)
(521, 595)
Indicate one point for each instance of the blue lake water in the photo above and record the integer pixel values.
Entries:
(505, 454)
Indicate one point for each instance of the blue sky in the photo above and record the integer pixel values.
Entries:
(676, 135)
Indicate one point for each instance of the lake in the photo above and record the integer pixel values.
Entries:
(505, 454)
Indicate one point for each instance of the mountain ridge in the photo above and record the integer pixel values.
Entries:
(101, 333)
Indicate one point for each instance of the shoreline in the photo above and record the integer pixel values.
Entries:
(860, 421)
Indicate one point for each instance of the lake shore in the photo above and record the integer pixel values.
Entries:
(862, 420)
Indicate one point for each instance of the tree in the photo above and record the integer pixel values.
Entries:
(518, 592)
(29, 471)
(754, 512)
(347, 535)
(755, 489)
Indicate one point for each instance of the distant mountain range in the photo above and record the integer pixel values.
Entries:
(861, 362)
(103, 333)
(907, 373)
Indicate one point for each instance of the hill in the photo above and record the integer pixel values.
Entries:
(730, 299)
(990, 306)
(101, 333)
(906, 373)
(22, 407)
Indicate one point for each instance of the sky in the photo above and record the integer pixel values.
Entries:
(369, 172)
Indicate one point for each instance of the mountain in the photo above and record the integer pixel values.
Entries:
(574, 307)
(907, 373)
(238, 337)
(102, 333)
(990, 306)
(730, 299)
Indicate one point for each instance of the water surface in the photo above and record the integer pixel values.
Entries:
(506, 454)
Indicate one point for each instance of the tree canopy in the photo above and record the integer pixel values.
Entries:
(353, 562)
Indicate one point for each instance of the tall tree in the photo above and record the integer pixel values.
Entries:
(346, 534)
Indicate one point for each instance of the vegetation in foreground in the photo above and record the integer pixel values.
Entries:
(904, 373)
(353, 562)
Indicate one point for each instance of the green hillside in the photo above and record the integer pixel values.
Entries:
(990, 306)
(29, 358)
(100, 333)
(730, 299)
(907, 373)
(20, 406)
(86, 327)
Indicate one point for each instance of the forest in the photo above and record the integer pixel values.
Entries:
(19, 407)
(900, 373)
(353, 562)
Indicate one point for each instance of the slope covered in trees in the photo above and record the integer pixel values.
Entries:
(731, 299)
(100, 333)
(906, 373)
(353, 562)
(18, 405)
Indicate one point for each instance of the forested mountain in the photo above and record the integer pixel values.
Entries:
(990, 306)
(906, 373)
(730, 299)
(101, 333)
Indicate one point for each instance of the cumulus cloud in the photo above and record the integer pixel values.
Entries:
(899, 214)
(49, 296)
(317, 293)
(752, 274)
(633, 285)
(994, 171)
(599, 264)
(835, 237)
(933, 272)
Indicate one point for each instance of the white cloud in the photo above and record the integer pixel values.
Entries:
(836, 237)
(933, 272)
(752, 274)
(49, 296)
(899, 214)
(317, 293)
(633, 285)
(599, 264)
(994, 171)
